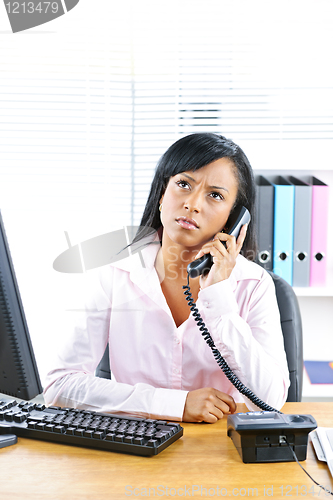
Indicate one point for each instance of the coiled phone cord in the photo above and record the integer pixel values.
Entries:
(218, 357)
(229, 373)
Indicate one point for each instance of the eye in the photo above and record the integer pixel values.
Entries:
(183, 184)
(217, 196)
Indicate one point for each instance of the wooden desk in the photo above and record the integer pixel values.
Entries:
(204, 463)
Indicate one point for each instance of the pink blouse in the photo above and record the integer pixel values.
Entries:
(153, 363)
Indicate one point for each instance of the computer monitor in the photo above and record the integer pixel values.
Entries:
(19, 375)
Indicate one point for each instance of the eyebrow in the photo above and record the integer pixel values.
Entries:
(210, 187)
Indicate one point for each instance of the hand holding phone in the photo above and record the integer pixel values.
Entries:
(237, 219)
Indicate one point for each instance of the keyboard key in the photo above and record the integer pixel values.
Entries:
(79, 432)
(60, 429)
(53, 410)
(110, 436)
(9, 404)
(99, 434)
(164, 428)
(36, 418)
(152, 442)
(89, 433)
(162, 435)
(113, 425)
(174, 426)
(28, 407)
(122, 427)
(59, 420)
(103, 426)
(49, 419)
(39, 407)
(20, 417)
(67, 422)
(9, 416)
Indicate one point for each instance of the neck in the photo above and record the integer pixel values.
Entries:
(172, 260)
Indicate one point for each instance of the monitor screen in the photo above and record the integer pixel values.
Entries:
(19, 375)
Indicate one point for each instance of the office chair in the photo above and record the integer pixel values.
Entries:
(291, 324)
(103, 369)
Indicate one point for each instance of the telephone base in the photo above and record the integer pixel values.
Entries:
(263, 436)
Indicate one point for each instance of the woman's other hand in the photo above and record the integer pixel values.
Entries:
(207, 405)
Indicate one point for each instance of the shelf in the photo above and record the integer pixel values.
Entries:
(316, 305)
(314, 291)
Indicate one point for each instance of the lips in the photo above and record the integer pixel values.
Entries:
(187, 223)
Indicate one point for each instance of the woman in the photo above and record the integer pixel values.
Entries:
(161, 367)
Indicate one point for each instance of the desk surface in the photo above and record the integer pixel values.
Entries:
(204, 463)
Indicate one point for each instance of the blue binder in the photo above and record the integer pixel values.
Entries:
(284, 198)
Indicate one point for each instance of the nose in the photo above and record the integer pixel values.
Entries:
(192, 204)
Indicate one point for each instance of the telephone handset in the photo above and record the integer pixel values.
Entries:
(237, 219)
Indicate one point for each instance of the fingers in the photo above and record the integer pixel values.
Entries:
(227, 400)
(224, 243)
(230, 241)
(224, 249)
(215, 248)
(207, 405)
(242, 236)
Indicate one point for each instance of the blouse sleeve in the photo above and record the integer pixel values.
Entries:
(72, 382)
(244, 322)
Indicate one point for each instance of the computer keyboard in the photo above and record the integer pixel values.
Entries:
(126, 434)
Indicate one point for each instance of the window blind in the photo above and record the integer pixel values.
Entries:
(84, 121)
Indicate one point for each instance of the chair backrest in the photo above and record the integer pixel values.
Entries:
(291, 324)
(103, 369)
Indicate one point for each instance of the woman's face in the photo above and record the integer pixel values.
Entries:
(196, 205)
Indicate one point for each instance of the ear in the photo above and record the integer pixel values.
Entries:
(161, 200)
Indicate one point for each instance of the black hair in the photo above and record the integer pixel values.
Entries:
(193, 152)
